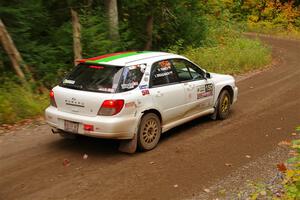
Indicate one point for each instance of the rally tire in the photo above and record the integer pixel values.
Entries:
(149, 132)
(223, 106)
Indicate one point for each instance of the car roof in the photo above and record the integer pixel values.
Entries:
(124, 58)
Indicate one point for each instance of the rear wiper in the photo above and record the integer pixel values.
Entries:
(77, 87)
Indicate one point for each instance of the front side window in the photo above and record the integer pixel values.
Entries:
(187, 71)
(162, 73)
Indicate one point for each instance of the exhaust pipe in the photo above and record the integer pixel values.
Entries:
(55, 131)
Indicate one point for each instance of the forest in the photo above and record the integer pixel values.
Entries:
(41, 40)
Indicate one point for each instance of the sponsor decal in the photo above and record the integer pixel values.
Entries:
(163, 74)
(209, 87)
(205, 91)
(143, 87)
(164, 66)
(145, 92)
(129, 85)
(106, 89)
(66, 81)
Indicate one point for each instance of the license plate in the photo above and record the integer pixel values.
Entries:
(71, 126)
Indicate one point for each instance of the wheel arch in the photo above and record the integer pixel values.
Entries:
(230, 90)
(153, 111)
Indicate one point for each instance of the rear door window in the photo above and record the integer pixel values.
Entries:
(162, 73)
(131, 77)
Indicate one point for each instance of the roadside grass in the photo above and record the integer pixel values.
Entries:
(233, 56)
(17, 102)
(290, 32)
(226, 50)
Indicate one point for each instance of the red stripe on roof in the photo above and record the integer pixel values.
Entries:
(106, 55)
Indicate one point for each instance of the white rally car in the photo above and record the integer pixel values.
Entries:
(136, 96)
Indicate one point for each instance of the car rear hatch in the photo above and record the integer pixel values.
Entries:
(83, 91)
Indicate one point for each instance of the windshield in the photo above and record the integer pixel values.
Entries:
(103, 78)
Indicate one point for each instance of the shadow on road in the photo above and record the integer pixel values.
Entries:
(109, 147)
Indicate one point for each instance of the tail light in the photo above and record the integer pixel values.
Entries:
(111, 107)
(52, 99)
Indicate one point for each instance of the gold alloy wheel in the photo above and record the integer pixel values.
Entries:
(150, 131)
(225, 104)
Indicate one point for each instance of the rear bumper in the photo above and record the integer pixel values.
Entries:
(104, 126)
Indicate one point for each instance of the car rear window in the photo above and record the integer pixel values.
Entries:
(103, 78)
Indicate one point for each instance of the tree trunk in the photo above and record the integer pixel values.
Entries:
(76, 36)
(11, 51)
(112, 13)
(149, 30)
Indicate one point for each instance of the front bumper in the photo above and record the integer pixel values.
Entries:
(104, 126)
(235, 94)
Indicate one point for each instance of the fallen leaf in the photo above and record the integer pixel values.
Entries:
(228, 164)
(206, 190)
(284, 143)
(66, 162)
(293, 153)
(281, 167)
(247, 156)
(85, 156)
(175, 186)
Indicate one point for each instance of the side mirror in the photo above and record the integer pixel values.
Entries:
(207, 75)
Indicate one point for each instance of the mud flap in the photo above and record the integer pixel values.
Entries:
(214, 115)
(128, 146)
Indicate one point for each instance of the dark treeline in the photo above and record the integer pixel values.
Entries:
(42, 29)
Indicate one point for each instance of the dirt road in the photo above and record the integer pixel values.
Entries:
(188, 158)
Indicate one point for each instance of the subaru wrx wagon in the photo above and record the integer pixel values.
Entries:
(136, 96)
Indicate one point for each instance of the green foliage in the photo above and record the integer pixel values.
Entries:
(95, 39)
(230, 52)
(18, 102)
(273, 17)
(202, 30)
(291, 181)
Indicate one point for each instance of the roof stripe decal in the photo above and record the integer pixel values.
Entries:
(105, 56)
(114, 56)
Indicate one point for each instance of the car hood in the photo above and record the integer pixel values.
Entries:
(221, 76)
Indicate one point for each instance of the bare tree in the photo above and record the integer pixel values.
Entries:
(12, 52)
(149, 30)
(76, 36)
(112, 13)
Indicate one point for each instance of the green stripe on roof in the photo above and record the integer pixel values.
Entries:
(111, 58)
